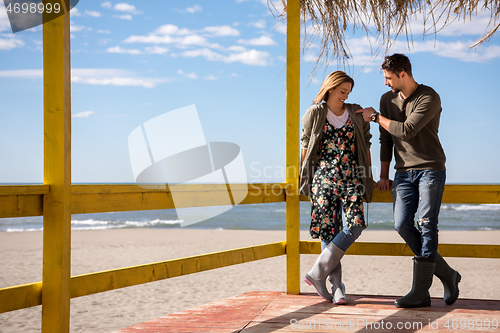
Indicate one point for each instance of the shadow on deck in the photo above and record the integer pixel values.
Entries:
(261, 311)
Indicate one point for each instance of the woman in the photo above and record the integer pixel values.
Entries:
(336, 174)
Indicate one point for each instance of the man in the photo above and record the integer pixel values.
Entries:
(409, 121)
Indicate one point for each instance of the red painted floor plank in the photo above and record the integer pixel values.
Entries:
(257, 312)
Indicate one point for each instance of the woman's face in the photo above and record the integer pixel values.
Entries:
(337, 96)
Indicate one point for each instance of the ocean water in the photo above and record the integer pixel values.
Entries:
(269, 216)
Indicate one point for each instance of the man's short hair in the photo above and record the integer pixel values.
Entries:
(397, 63)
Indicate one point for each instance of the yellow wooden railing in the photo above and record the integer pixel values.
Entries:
(57, 199)
(28, 200)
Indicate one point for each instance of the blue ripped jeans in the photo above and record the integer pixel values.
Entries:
(345, 237)
(422, 191)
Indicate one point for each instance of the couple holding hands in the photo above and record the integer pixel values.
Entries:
(336, 174)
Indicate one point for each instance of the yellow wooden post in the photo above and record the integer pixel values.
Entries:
(292, 146)
(57, 174)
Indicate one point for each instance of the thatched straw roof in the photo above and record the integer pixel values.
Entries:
(327, 21)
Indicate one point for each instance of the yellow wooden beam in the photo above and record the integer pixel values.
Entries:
(22, 200)
(470, 250)
(379, 196)
(20, 297)
(83, 285)
(19, 201)
(401, 249)
(21, 205)
(23, 189)
(57, 173)
(106, 198)
(27, 200)
(471, 194)
(24, 296)
(292, 146)
(453, 194)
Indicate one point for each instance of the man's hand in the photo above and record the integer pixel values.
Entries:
(366, 113)
(384, 184)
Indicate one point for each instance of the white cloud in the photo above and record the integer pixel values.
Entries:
(118, 49)
(119, 7)
(157, 50)
(9, 42)
(125, 7)
(75, 12)
(4, 20)
(210, 77)
(361, 51)
(250, 57)
(115, 81)
(171, 34)
(188, 40)
(191, 75)
(76, 28)
(94, 76)
(170, 29)
(103, 32)
(104, 41)
(234, 75)
(150, 39)
(476, 25)
(206, 53)
(194, 9)
(192, 40)
(281, 28)
(123, 17)
(260, 24)
(115, 77)
(92, 13)
(223, 30)
(315, 80)
(456, 50)
(84, 114)
(237, 48)
(180, 42)
(261, 41)
(23, 73)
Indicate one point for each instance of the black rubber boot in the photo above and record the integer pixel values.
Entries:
(450, 279)
(423, 271)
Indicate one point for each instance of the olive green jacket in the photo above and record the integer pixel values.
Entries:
(313, 122)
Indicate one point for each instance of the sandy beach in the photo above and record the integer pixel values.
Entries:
(21, 259)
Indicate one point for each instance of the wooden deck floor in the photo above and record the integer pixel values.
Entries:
(278, 312)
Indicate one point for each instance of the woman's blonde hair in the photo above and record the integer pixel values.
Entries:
(332, 81)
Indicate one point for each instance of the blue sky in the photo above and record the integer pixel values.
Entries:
(135, 60)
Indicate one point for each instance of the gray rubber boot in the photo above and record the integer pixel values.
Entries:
(423, 271)
(325, 264)
(450, 279)
(338, 288)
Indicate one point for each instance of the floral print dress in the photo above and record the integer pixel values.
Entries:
(335, 181)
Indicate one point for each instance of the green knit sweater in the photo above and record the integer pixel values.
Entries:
(413, 131)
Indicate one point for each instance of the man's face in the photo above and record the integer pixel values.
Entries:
(392, 81)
